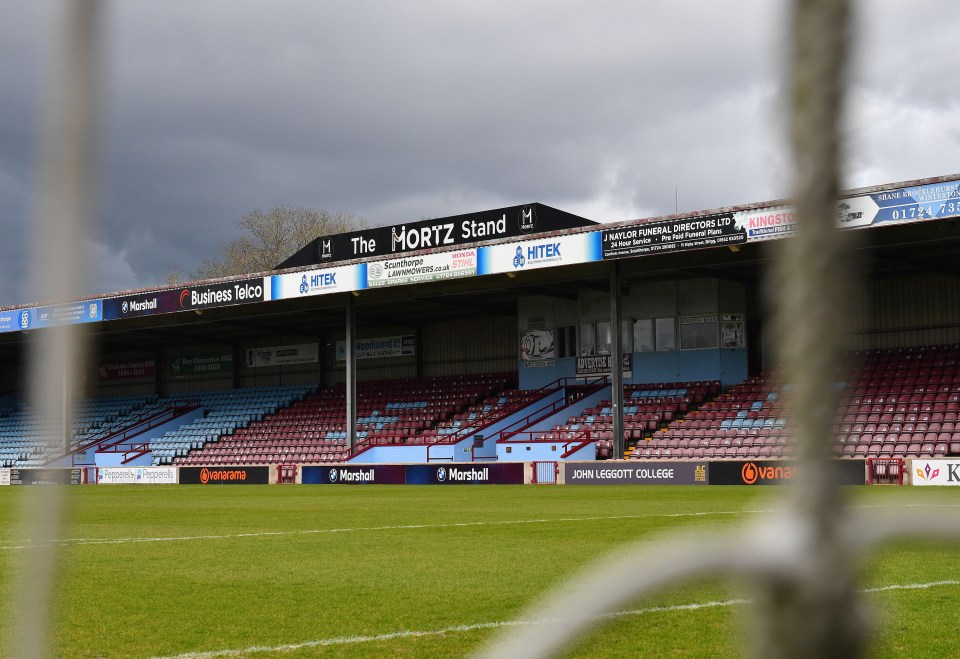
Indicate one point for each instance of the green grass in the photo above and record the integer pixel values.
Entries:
(369, 578)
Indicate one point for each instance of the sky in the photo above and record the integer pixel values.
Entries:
(400, 111)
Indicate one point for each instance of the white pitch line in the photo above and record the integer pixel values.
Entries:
(79, 542)
(391, 636)
(76, 542)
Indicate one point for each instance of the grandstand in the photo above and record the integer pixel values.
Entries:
(502, 349)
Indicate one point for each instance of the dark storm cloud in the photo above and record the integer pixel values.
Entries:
(397, 111)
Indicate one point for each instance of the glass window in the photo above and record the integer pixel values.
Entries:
(588, 339)
(698, 332)
(626, 336)
(604, 339)
(643, 335)
(567, 341)
(666, 334)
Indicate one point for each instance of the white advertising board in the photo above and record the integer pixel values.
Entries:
(137, 475)
(543, 253)
(421, 268)
(318, 282)
(935, 472)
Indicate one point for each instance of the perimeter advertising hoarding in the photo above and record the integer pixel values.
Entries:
(353, 475)
(672, 235)
(442, 232)
(318, 282)
(775, 472)
(422, 268)
(136, 475)
(543, 253)
(636, 473)
(471, 473)
(224, 475)
(46, 476)
(417, 474)
(935, 472)
(4, 476)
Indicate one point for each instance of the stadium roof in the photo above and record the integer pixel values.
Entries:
(901, 241)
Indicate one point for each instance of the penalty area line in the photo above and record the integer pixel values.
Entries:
(457, 629)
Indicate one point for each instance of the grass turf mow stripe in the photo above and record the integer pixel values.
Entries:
(391, 636)
(184, 571)
(78, 542)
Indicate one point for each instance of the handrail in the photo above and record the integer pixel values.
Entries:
(487, 421)
(590, 382)
(138, 426)
(518, 426)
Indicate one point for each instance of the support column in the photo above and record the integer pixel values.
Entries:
(616, 357)
(350, 359)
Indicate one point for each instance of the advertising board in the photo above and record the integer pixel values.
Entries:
(379, 347)
(775, 472)
(46, 476)
(419, 268)
(215, 363)
(353, 475)
(538, 348)
(128, 368)
(318, 282)
(935, 472)
(494, 473)
(435, 233)
(672, 235)
(224, 294)
(141, 304)
(4, 477)
(636, 473)
(543, 253)
(932, 201)
(70, 313)
(224, 475)
(603, 365)
(136, 475)
(301, 353)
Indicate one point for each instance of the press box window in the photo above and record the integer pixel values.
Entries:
(666, 334)
(699, 332)
(604, 340)
(588, 339)
(654, 334)
(597, 338)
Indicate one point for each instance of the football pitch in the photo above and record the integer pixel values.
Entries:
(423, 571)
